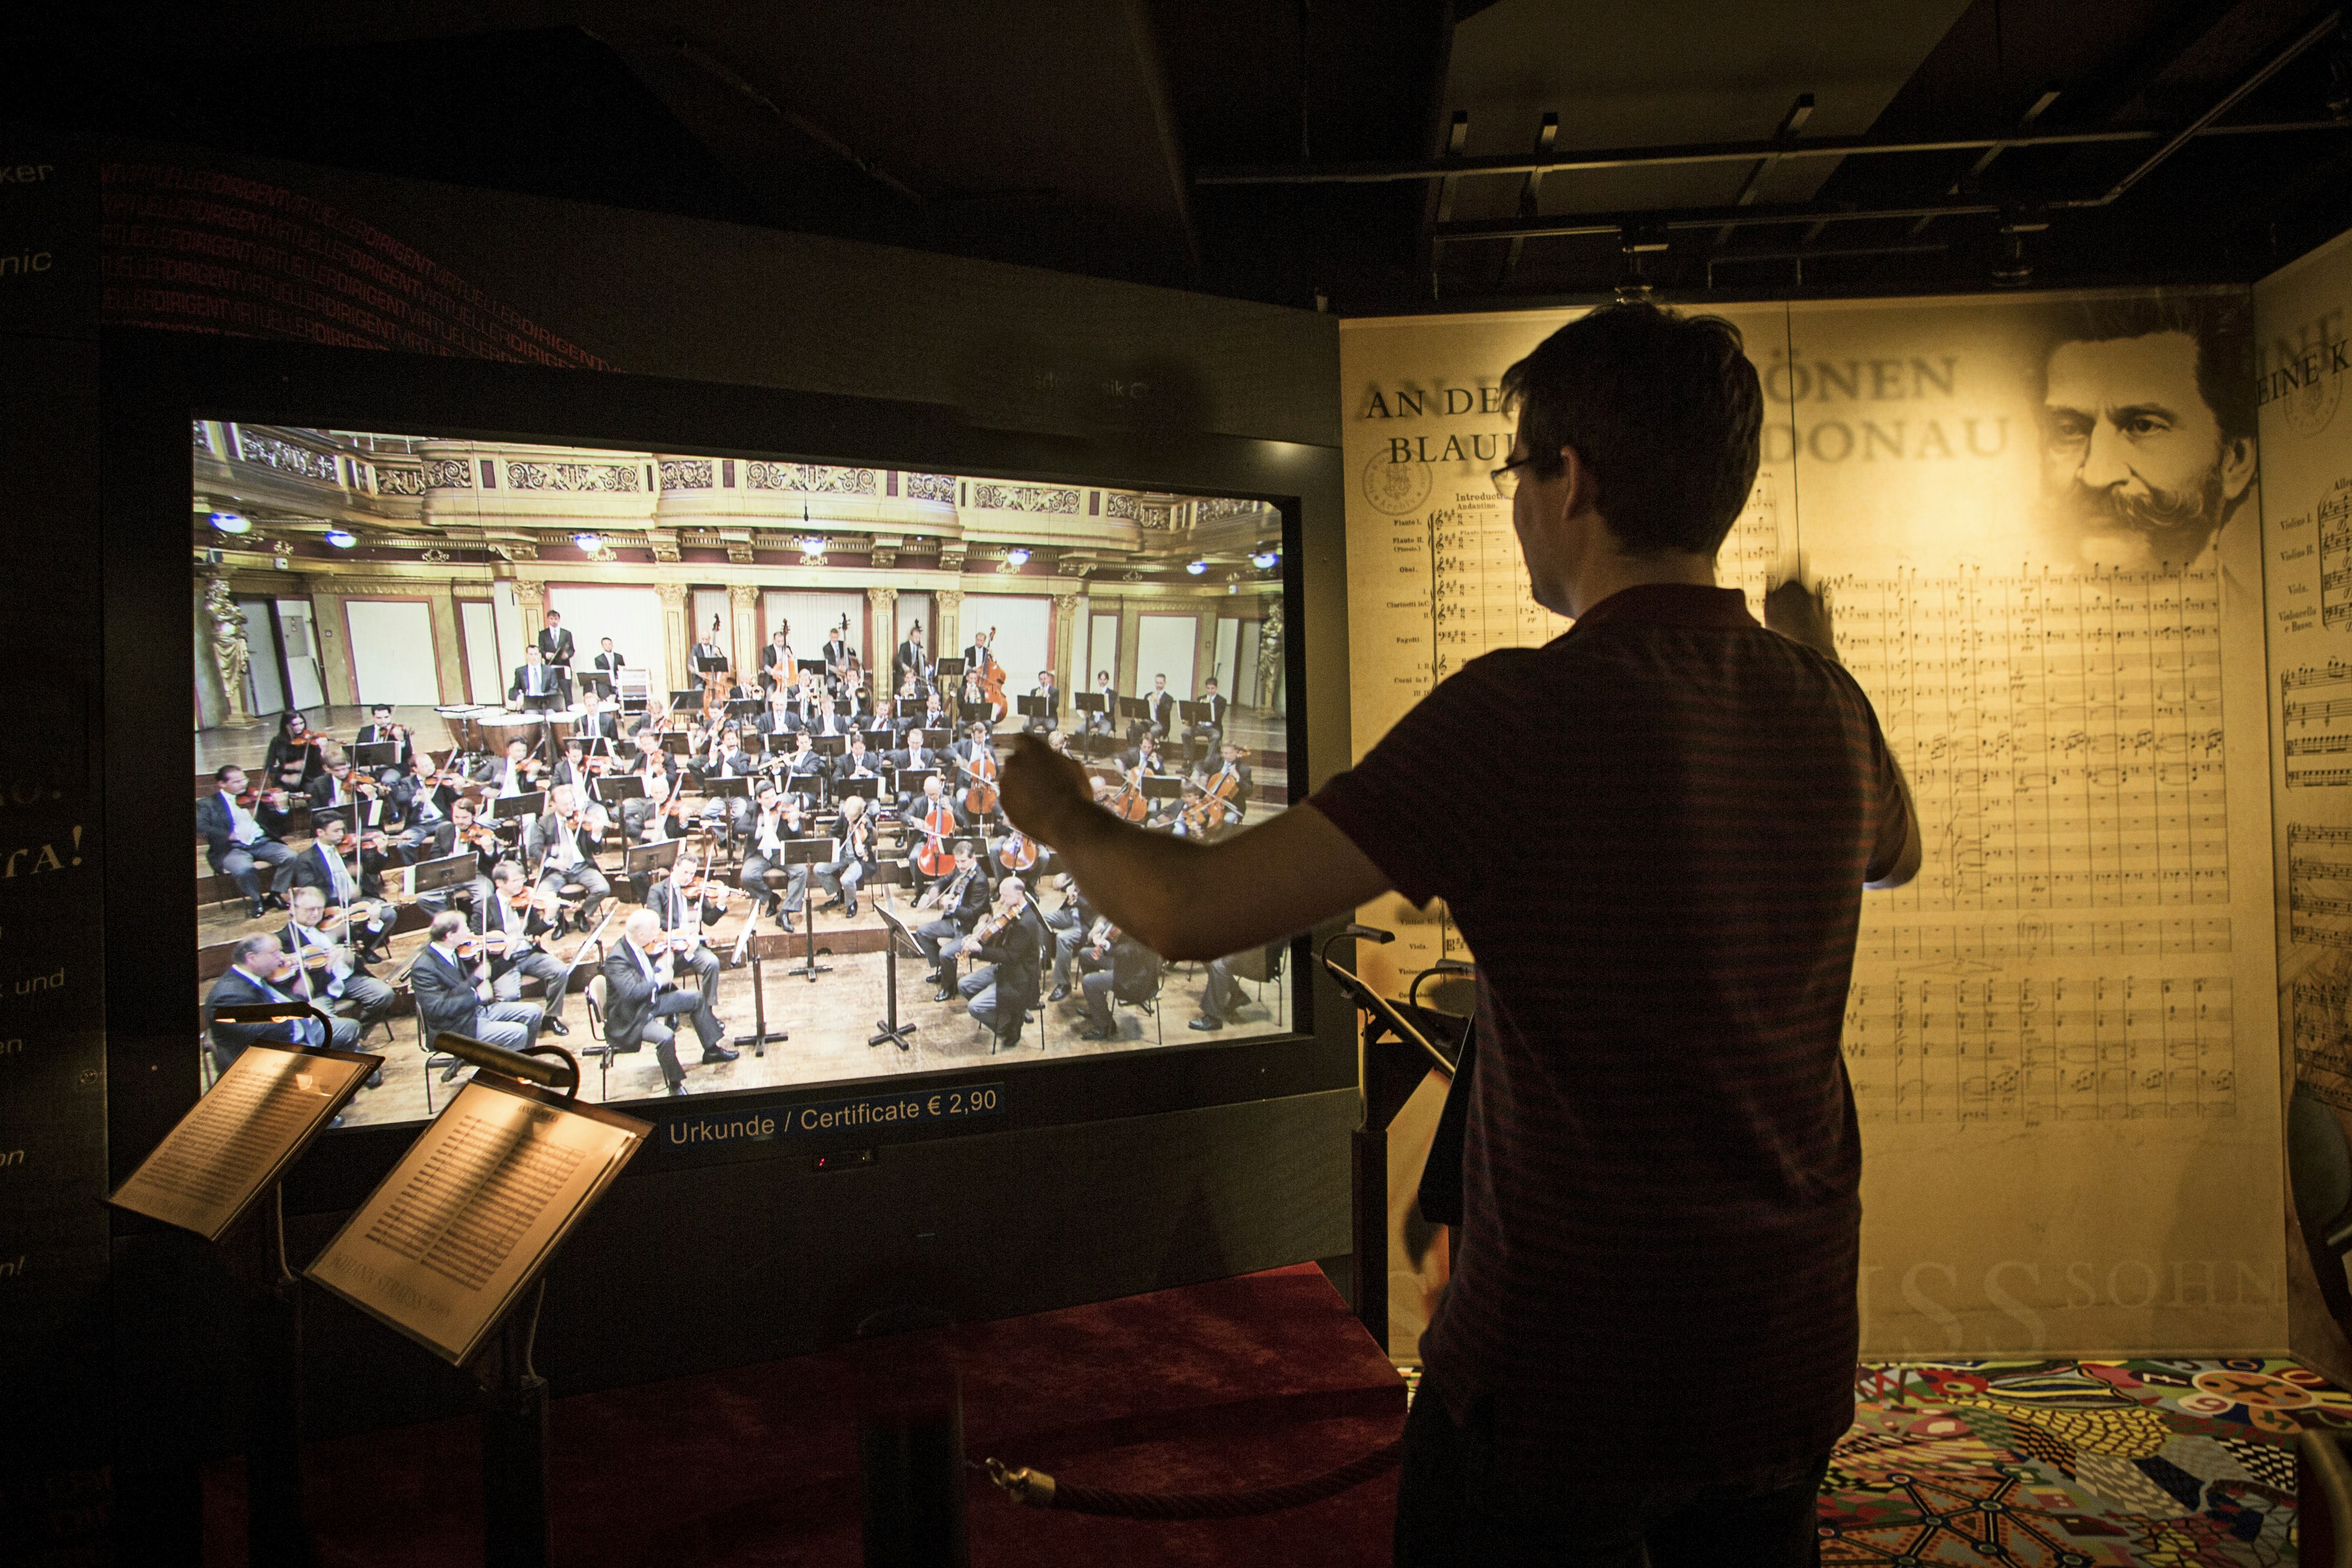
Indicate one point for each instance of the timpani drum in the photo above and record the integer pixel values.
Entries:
(464, 736)
(501, 725)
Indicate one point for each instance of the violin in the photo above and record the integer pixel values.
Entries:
(483, 945)
(1017, 853)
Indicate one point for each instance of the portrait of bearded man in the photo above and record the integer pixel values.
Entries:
(2147, 432)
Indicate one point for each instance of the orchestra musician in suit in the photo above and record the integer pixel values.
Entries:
(853, 857)
(779, 820)
(1050, 695)
(1208, 731)
(1102, 723)
(297, 754)
(916, 757)
(424, 797)
(342, 985)
(963, 762)
(783, 714)
(535, 687)
(455, 996)
(468, 832)
(516, 772)
(658, 770)
(642, 997)
(571, 767)
(563, 842)
(607, 662)
(526, 920)
(332, 789)
(1114, 966)
(777, 665)
(324, 865)
(238, 837)
(962, 898)
(256, 976)
(838, 654)
(681, 912)
(707, 659)
(555, 649)
(597, 722)
(856, 763)
(1158, 709)
(1070, 926)
(911, 657)
(806, 761)
(1001, 992)
(383, 731)
(377, 809)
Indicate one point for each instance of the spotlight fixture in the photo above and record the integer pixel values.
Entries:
(1197, 567)
(1266, 560)
(229, 523)
(1016, 558)
(341, 538)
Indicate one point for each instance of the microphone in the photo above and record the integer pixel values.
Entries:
(1369, 933)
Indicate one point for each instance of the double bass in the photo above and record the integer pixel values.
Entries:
(989, 678)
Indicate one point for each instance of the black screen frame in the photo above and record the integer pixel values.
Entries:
(154, 384)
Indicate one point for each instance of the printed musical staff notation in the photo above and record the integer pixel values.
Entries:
(2335, 558)
(2031, 1050)
(2316, 726)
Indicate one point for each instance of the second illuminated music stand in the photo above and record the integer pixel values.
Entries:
(887, 1026)
(764, 945)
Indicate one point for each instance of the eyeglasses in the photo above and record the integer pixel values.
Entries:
(1506, 478)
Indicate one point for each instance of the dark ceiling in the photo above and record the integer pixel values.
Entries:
(1107, 138)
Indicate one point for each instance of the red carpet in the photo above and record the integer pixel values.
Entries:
(1252, 1382)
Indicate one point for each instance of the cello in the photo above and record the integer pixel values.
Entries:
(1129, 803)
(1017, 853)
(933, 858)
(980, 798)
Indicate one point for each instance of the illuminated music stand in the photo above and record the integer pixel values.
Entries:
(280, 1098)
(887, 1026)
(481, 1313)
(811, 852)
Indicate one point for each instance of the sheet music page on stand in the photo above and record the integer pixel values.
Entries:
(442, 1248)
(2077, 996)
(241, 1136)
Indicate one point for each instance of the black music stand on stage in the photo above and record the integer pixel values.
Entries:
(887, 1026)
(439, 876)
(811, 852)
(376, 754)
(763, 946)
(640, 861)
(1031, 708)
(508, 808)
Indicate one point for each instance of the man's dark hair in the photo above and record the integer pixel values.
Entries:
(1664, 408)
(2221, 327)
(241, 952)
(220, 774)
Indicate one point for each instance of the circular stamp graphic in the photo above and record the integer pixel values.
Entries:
(1395, 488)
(2308, 408)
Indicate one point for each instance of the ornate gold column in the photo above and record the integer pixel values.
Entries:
(881, 638)
(743, 602)
(1068, 615)
(950, 603)
(671, 675)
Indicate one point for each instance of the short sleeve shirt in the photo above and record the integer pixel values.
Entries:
(1654, 831)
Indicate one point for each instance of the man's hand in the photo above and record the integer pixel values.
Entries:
(1800, 611)
(1045, 790)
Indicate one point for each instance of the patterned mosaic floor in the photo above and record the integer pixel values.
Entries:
(2084, 1464)
(2130, 1464)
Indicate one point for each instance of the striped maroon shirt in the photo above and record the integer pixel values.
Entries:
(1654, 831)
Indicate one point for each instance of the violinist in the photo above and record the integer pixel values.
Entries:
(853, 857)
(779, 820)
(686, 904)
(961, 898)
(1050, 697)
(1113, 966)
(642, 999)
(296, 754)
(424, 798)
(465, 832)
(1007, 942)
(260, 972)
(523, 917)
(597, 722)
(331, 789)
(516, 772)
(1070, 925)
(777, 665)
(572, 768)
(1201, 740)
(657, 771)
(385, 733)
(563, 840)
(326, 971)
(240, 836)
(453, 994)
(380, 818)
(326, 864)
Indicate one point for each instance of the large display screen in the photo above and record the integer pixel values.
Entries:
(687, 763)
